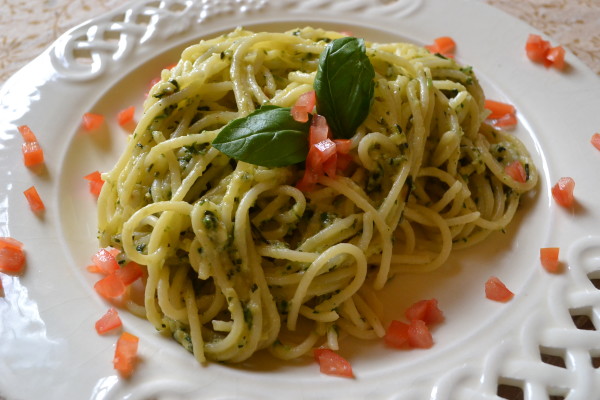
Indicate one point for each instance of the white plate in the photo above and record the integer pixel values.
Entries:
(48, 345)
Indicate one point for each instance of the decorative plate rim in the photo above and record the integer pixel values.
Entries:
(82, 68)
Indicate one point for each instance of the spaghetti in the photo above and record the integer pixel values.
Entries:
(238, 259)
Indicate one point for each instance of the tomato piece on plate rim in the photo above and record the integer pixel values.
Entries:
(396, 335)
(92, 121)
(331, 363)
(549, 259)
(426, 311)
(419, 336)
(126, 354)
(496, 290)
(562, 192)
(595, 140)
(95, 182)
(35, 201)
(125, 116)
(108, 322)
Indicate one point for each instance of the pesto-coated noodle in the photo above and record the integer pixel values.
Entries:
(238, 259)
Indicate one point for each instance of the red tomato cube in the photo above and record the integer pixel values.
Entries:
(497, 291)
(110, 287)
(426, 311)
(549, 259)
(537, 48)
(126, 354)
(108, 322)
(595, 140)
(396, 335)
(91, 121)
(331, 363)
(419, 335)
(516, 171)
(35, 201)
(562, 192)
(126, 116)
(105, 260)
(12, 256)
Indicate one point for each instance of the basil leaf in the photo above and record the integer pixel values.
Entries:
(344, 85)
(269, 137)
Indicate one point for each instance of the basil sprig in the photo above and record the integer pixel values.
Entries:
(344, 85)
(269, 137)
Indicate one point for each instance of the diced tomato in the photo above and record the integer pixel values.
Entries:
(318, 135)
(94, 269)
(11, 243)
(346, 33)
(501, 114)
(126, 354)
(443, 45)
(541, 51)
(432, 48)
(129, 273)
(396, 335)
(537, 48)
(319, 130)
(595, 141)
(27, 133)
(308, 182)
(318, 159)
(114, 251)
(426, 311)
(497, 291)
(326, 157)
(105, 260)
(549, 259)
(556, 57)
(343, 162)
(321, 147)
(110, 287)
(12, 261)
(35, 201)
(304, 106)
(32, 151)
(108, 322)
(92, 121)
(419, 335)
(331, 363)
(418, 310)
(507, 121)
(498, 109)
(125, 116)
(516, 171)
(95, 182)
(299, 115)
(562, 192)
(343, 146)
(325, 149)
(330, 165)
(310, 177)
(32, 154)
(12, 256)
